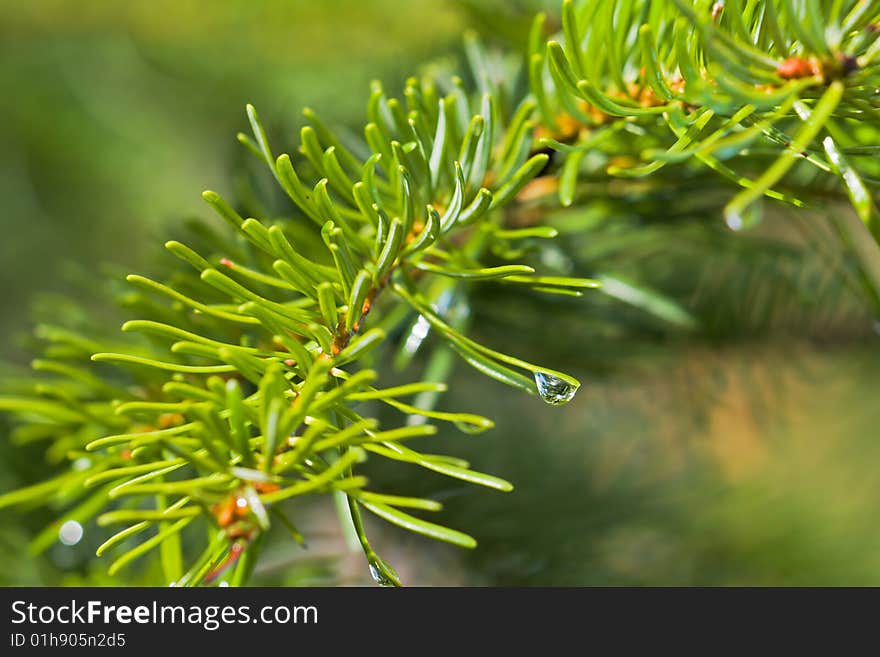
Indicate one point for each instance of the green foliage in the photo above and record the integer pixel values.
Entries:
(250, 378)
(748, 90)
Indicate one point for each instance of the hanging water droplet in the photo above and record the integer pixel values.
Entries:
(738, 219)
(473, 427)
(379, 578)
(734, 221)
(382, 573)
(554, 390)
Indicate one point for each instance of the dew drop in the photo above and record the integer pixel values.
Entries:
(554, 390)
(377, 566)
(70, 533)
(743, 219)
(734, 221)
(472, 427)
(379, 578)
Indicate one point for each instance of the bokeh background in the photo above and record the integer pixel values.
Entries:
(736, 443)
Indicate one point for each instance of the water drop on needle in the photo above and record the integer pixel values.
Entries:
(376, 571)
(471, 427)
(734, 221)
(378, 577)
(738, 219)
(553, 390)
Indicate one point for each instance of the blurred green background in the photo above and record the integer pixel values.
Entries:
(742, 452)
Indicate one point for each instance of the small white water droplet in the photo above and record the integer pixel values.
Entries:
(734, 221)
(738, 219)
(70, 533)
(553, 390)
(379, 577)
(224, 584)
(82, 463)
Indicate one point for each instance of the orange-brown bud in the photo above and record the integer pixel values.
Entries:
(795, 68)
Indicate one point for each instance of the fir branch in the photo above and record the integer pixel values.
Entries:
(246, 387)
